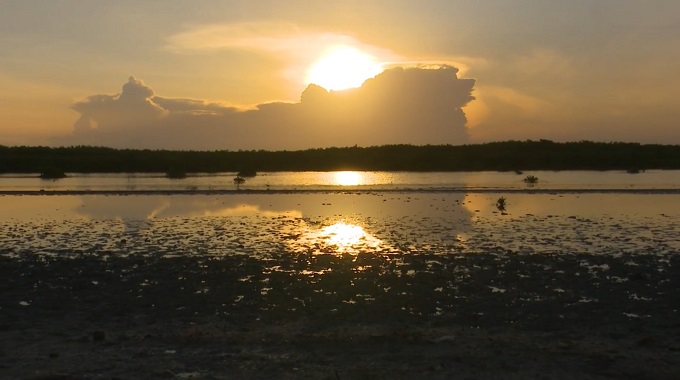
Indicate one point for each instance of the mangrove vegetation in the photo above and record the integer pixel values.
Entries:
(499, 156)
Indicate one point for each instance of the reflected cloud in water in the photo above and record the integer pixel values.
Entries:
(303, 223)
(413, 217)
(252, 224)
(136, 212)
(338, 223)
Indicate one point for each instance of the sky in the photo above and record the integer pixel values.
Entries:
(273, 74)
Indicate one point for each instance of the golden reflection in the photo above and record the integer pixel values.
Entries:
(340, 237)
(344, 235)
(477, 204)
(348, 178)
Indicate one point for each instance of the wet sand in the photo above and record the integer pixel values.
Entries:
(250, 294)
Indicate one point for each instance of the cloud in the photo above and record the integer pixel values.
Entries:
(269, 37)
(401, 105)
(134, 105)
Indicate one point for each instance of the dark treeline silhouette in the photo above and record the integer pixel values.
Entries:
(498, 156)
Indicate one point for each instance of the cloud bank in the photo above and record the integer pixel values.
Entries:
(398, 106)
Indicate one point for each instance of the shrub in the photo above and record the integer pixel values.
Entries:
(52, 173)
(531, 180)
(175, 173)
(238, 181)
(501, 204)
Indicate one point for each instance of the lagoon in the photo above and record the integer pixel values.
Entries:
(659, 180)
(260, 224)
(338, 212)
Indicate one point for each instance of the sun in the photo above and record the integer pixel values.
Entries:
(342, 68)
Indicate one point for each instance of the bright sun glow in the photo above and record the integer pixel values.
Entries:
(337, 238)
(344, 67)
(344, 235)
(348, 178)
(349, 238)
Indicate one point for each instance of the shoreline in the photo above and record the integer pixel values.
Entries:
(665, 191)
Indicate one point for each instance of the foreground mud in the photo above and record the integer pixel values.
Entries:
(340, 316)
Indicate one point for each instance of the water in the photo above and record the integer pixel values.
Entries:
(574, 212)
(350, 180)
(262, 225)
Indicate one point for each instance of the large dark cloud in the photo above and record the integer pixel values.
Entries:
(412, 105)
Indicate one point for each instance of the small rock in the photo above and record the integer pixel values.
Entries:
(99, 336)
(444, 338)
(646, 341)
(167, 374)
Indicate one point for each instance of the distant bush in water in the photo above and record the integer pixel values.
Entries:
(530, 180)
(52, 173)
(238, 181)
(501, 204)
(176, 174)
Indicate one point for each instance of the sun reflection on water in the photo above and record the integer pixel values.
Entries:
(348, 178)
(344, 235)
(338, 238)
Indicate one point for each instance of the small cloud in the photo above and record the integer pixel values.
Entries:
(267, 37)
(462, 63)
(133, 106)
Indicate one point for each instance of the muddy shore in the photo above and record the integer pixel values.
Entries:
(341, 316)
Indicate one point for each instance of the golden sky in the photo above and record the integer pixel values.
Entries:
(235, 74)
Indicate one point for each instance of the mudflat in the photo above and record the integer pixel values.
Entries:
(340, 316)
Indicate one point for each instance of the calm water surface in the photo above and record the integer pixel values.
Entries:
(337, 222)
(548, 180)
(438, 213)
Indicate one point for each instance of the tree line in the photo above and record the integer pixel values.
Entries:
(496, 156)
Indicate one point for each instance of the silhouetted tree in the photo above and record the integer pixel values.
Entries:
(238, 181)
